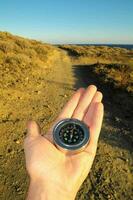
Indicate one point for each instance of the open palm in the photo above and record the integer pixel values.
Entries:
(64, 171)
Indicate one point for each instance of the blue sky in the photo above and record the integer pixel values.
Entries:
(69, 21)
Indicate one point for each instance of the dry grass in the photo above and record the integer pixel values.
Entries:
(98, 53)
(20, 58)
(114, 65)
(118, 75)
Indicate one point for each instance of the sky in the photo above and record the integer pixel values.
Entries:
(69, 21)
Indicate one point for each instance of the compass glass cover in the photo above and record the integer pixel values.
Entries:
(71, 134)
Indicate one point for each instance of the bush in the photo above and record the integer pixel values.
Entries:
(22, 43)
(6, 46)
(121, 76)
(17, 59)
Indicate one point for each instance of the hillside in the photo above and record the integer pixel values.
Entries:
(36, 80)
(30, 87)
(114, 65)
(27, 56)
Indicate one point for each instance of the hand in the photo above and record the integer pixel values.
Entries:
(54, 174)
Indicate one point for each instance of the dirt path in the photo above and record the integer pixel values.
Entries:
(42, 99)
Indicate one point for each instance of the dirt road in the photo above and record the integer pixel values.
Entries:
(42, 99)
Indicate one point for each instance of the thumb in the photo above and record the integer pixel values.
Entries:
(33, 129)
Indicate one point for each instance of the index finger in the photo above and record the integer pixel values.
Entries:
(67, 110)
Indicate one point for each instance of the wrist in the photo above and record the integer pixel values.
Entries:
(39, 190)
(36, 191)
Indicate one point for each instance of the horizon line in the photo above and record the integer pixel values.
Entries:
(94, 43)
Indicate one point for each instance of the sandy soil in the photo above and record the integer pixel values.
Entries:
(41, 99)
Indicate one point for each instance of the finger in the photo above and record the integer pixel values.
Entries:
(89, 114)
(84, 102)
(95, 127)
(71, 104)
(33, 129)
(66, 112)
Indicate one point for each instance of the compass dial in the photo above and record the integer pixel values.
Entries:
(71, 134)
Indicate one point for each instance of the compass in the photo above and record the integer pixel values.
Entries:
(71, 135)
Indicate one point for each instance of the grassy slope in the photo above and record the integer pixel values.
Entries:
(25, 57)
(113, 65)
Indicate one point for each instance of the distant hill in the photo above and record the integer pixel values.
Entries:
(104, 54)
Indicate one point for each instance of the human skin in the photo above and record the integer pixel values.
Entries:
(55, 174)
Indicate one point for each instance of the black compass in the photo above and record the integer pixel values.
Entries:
(71, 135)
